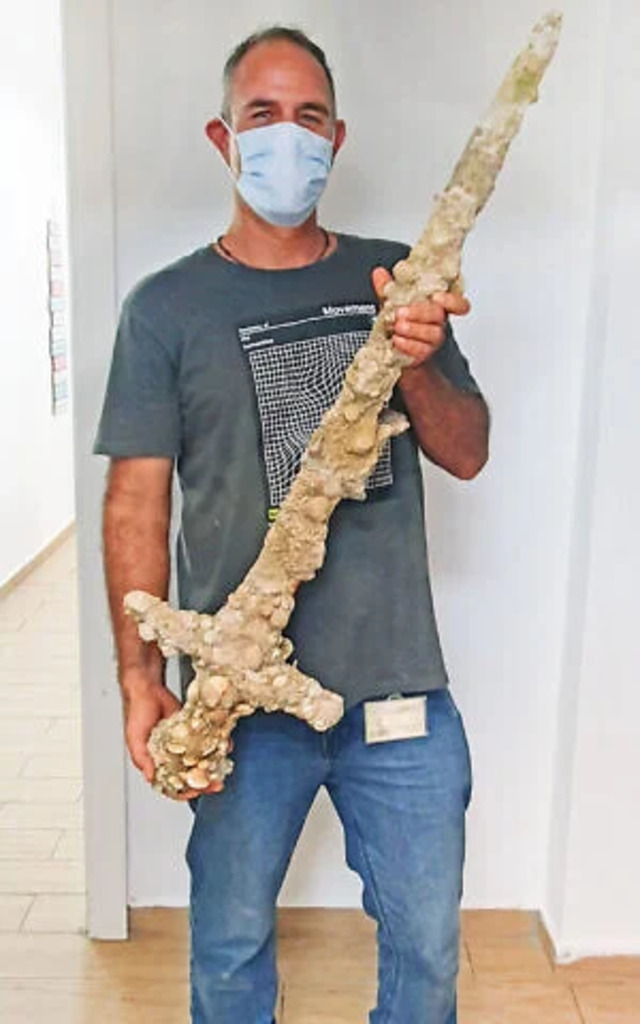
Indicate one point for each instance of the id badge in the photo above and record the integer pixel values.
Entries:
(397, 718)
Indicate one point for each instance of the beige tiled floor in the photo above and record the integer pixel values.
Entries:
(41, 858)
(50, 971)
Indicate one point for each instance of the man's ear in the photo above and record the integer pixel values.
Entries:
(218, 134)
(340, 134)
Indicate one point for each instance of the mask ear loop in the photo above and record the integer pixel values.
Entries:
(333, 142)
(233, 135)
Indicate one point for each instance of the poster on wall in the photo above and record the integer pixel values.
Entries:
(58, 334)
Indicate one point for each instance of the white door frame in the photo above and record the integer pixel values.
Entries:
(87, 32)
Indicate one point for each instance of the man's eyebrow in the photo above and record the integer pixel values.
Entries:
(253, 104)
(319, 108)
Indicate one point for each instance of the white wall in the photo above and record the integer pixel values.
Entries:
(507, 549)
(594, 899)
(37, 468)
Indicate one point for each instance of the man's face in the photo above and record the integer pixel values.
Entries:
(278, 81)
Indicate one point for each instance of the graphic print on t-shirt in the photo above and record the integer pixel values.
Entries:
(298, 366)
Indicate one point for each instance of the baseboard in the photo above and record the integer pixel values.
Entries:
(567, 952)
(546, 939)
(41, 557)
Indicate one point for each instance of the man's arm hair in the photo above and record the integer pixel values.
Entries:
(137, 514)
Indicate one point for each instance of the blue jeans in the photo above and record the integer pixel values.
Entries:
(402, 805)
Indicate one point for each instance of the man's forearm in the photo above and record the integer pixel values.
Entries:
(452, 426)
(136, 557)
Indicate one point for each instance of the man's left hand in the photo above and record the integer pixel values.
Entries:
(419, 329)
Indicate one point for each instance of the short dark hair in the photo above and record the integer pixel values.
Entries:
(273, 34)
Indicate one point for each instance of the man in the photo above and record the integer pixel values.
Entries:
(223, 365)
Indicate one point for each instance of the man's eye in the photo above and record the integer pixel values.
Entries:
(261, 115)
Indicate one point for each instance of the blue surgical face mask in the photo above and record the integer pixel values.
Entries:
(283, 171)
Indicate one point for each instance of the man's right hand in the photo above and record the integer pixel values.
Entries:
(146, 702)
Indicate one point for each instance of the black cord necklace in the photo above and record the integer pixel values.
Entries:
(234, 259)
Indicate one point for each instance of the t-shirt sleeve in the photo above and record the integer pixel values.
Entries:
(141, 411)
(454, 366)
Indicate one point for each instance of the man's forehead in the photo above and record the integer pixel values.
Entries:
(279, 64)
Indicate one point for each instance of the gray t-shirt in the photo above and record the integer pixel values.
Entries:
(227, 370)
